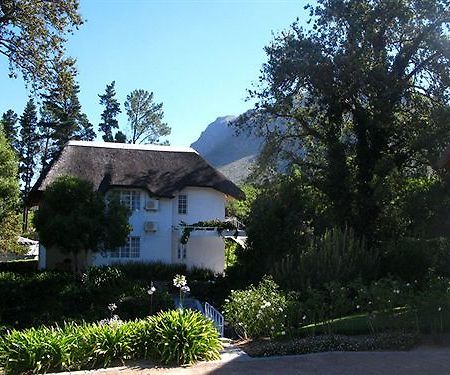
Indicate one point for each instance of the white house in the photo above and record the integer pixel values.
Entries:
(162, 186)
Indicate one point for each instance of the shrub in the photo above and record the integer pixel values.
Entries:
(413, 258)
(185, 336)
(257, 312)
(139, 304)
(152, 271)
(19, 266)
(100, 277)
(336, 255)
(176, 336)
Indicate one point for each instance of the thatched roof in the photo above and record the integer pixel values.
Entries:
(161, 170)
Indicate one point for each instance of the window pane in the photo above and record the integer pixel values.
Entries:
(182, 204)
(135, 200)
(135, 247)
(131, 199)
(132, 249)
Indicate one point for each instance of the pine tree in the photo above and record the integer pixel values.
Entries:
(63, 117)
(112, 109)
(28, 148)
(145, 118)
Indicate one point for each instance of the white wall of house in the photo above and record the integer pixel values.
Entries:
(203, 249)
(203, 204)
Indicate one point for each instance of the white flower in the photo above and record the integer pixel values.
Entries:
(185, 289)
(151, 290)
(179, 281)
(440, 308)
(283, 333)
(112, 307)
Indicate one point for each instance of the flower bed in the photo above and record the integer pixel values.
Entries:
(178, 336)
(326, 343)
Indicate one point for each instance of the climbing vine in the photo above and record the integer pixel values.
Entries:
(219, 225)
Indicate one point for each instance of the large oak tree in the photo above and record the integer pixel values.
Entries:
(363, 94)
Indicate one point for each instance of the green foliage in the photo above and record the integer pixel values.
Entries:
(9, 195)
(354, 112)
(62, 118)
(19, 266)
(385, 305)
(414, 259)
(8, 124)
(185, 336)
(230, 253)
(74, 218)
(282, 218)
(336, 255)
(178, 336)
(103, 277)
(145, 118)
(109, 114)
(28, 146)
(34, 35)
(210, 224)
(148, 272)
(241, 208)
(257, 311)
(334, 343)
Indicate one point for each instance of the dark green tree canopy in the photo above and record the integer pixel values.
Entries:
(9, 127)
(9, 195)
(62, 118)
(32, 36)
(28, 146)
(364, 97)
(75, 218)
(109, 114)
(145, 118)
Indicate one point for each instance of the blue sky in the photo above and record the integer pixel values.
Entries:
(197, 56)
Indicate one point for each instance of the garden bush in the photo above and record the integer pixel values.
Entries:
(414, 259)
(336, 255)
(54, 297)
(377, 306)
(257, 311)
(185, 336)
(100, 277)
(148, 272)
(171, 337)
(19, 266)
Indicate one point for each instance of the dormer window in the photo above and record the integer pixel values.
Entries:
(182, 204)
(131, 199)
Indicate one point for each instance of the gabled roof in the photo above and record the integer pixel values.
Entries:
(161, 170)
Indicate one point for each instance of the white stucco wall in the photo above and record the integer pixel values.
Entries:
(203, 204)
(155, 246)
(203, 249)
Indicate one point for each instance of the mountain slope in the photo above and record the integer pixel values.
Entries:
(232, 154)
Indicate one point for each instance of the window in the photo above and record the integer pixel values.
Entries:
(131, 199)
(132, 249)
(182, 204)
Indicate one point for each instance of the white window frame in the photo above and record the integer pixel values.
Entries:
(182, 204)
(130, 199)
(131, 250)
